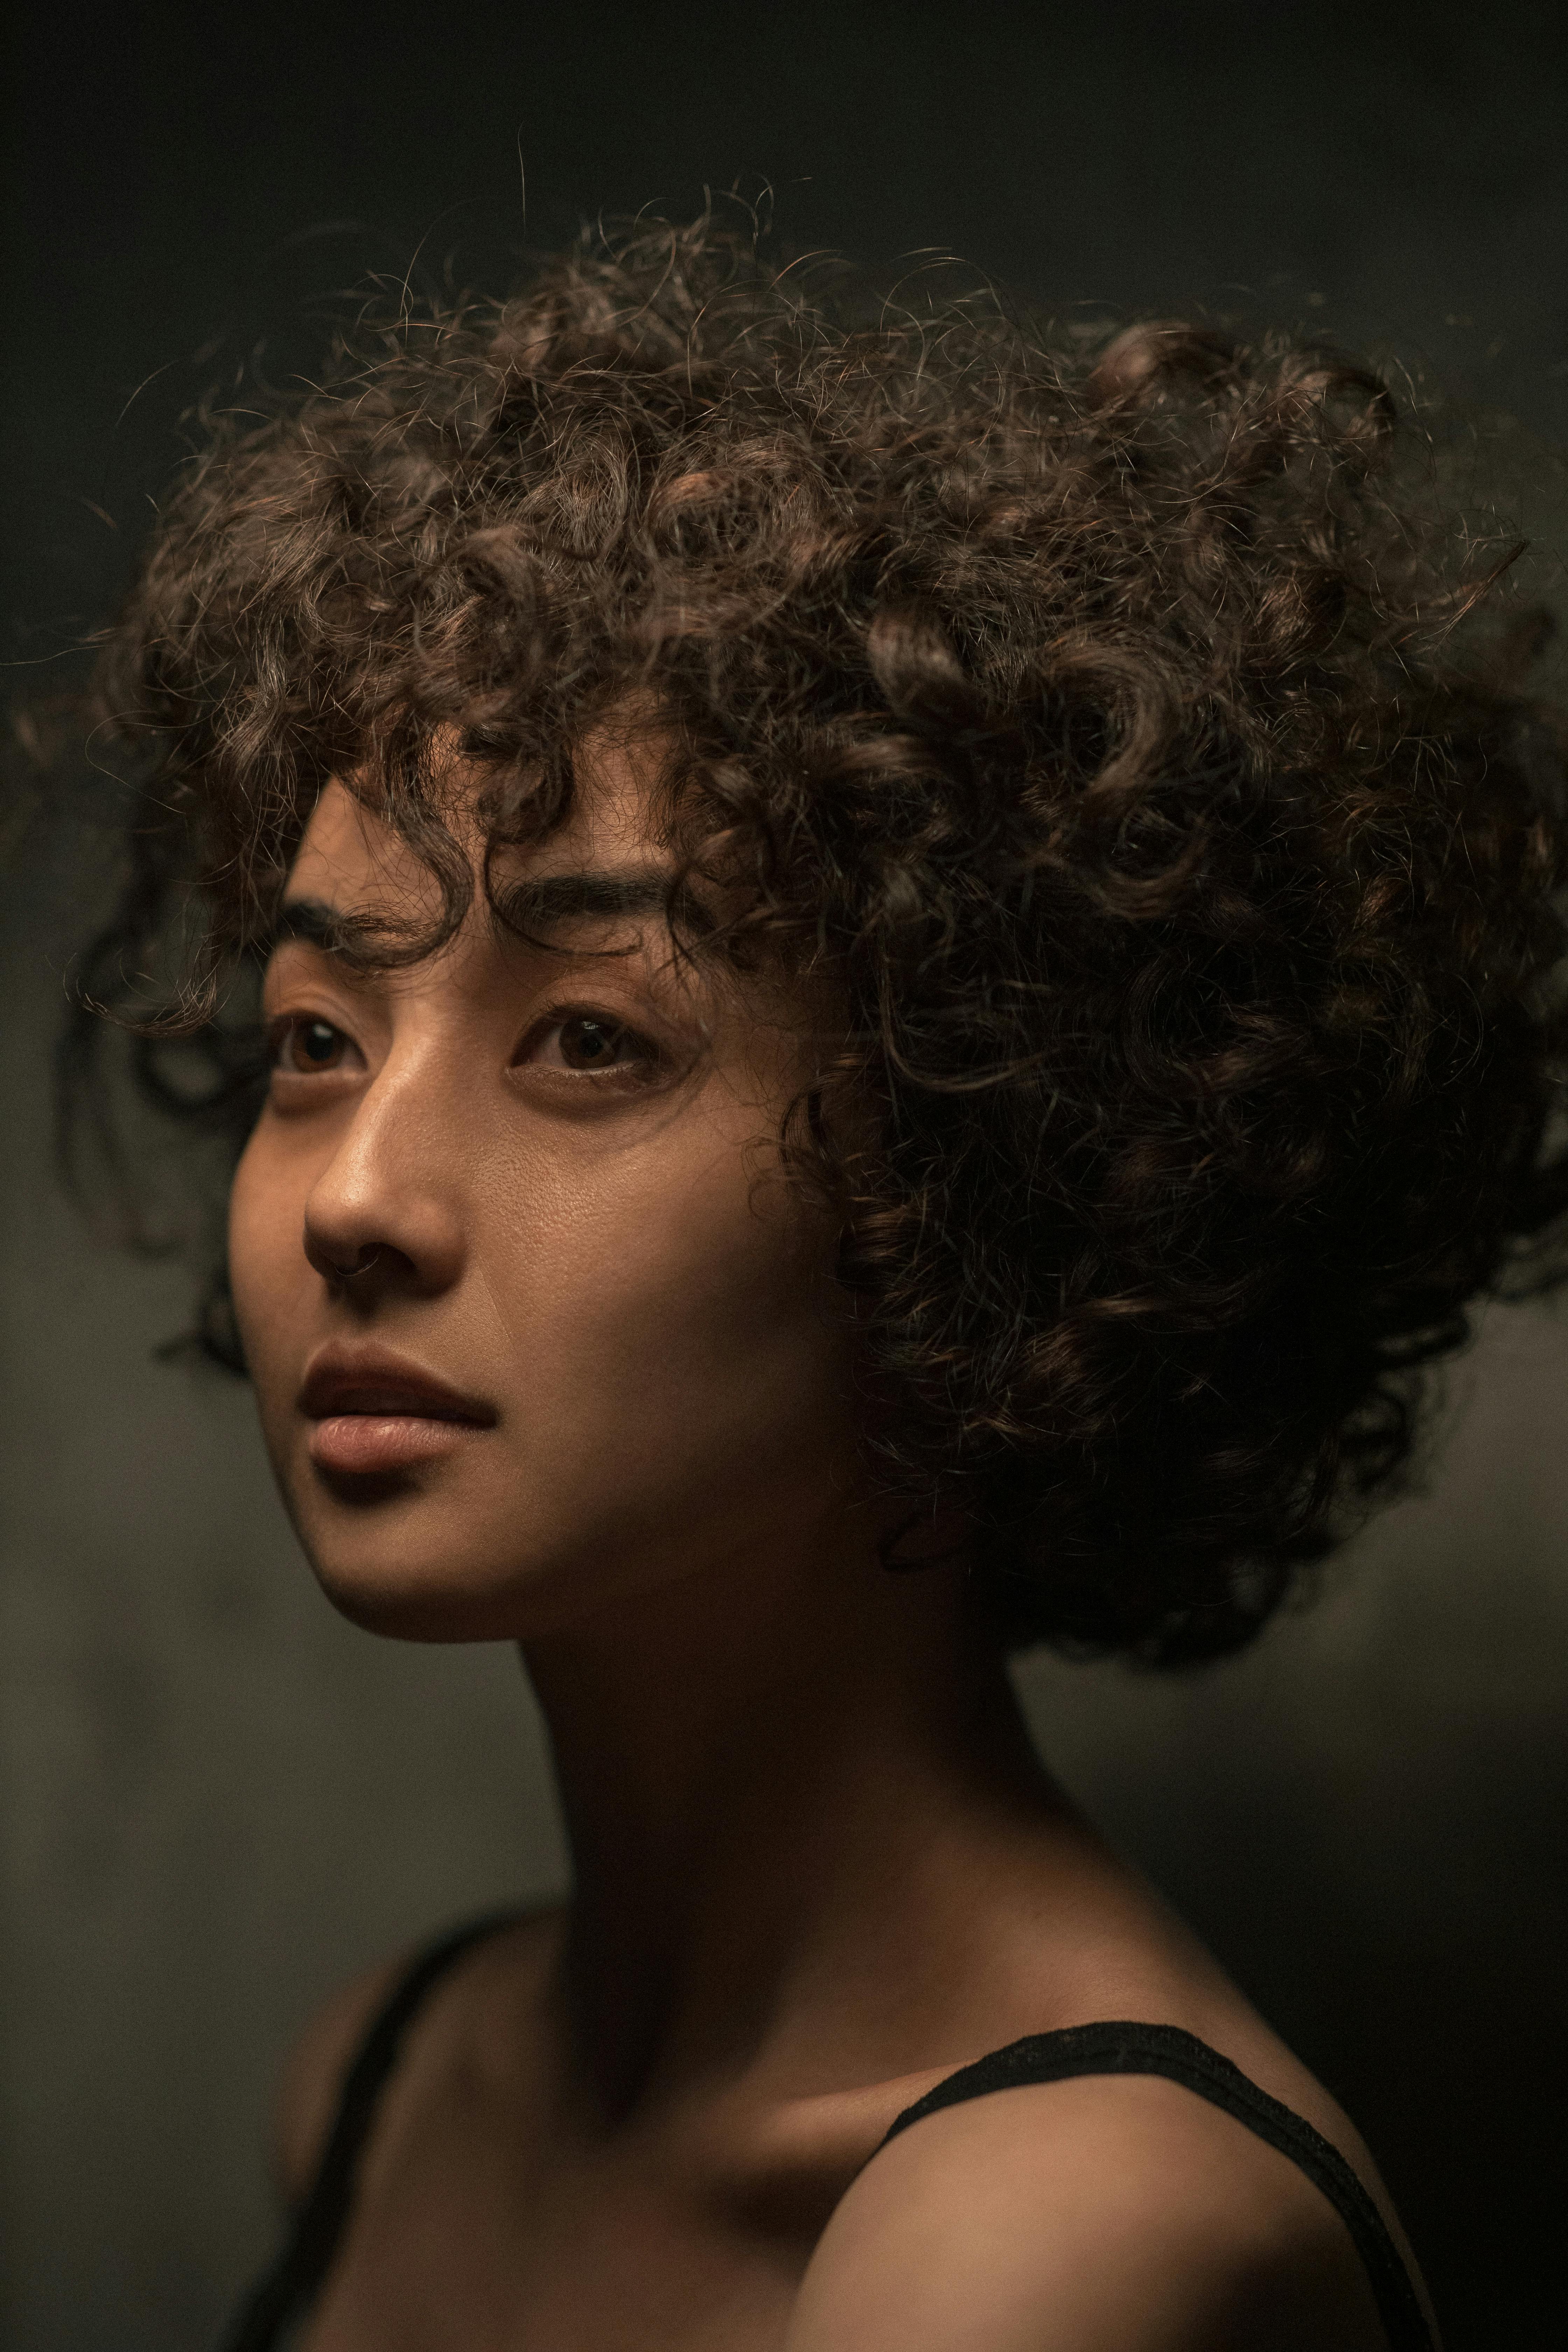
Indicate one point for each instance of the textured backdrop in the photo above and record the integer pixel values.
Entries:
(216, 1799)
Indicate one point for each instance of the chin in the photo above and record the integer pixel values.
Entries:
(413, 1601)
(387, 1560)
(420, 1609)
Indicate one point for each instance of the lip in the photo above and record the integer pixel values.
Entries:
(376, 1412)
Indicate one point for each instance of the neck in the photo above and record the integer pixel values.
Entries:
(760, 1765)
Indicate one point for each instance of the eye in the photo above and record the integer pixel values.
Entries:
(306, 1046)
(586, 1043)
(589, 1043)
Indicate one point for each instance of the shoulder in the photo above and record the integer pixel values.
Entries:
(314, 2072)
(311, 2084)
(1066, 2216)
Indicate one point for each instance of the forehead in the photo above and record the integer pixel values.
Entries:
(349, 857)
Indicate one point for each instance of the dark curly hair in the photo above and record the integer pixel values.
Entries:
(1099, 715)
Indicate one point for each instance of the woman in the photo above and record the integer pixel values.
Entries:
(906, 983)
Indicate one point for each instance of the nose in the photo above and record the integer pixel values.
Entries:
(386, 1212)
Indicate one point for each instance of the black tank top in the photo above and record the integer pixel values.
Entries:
(284, 2293)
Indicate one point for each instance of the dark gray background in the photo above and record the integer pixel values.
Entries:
(214, 1798)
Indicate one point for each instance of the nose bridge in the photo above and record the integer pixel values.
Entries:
(395, 1182)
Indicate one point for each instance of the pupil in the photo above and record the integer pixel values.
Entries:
(318, 1040)
(590, 1041)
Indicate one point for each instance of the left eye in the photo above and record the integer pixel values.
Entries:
(589, 1042)
(310, 1046)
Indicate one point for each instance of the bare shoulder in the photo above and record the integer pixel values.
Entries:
(312, 2083)
(312, 2078)
(1070, 2216)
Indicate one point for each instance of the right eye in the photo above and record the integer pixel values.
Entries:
(307, 1044)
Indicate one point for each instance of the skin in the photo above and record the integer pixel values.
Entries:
(816, 1863)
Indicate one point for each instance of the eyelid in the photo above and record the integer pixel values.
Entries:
(277, 1031)
(300, 966)
(557, 1017)
(276, 1025)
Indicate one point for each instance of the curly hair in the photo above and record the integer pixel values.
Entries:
(1096, 714)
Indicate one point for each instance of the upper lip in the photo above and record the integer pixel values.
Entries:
(375, 1379)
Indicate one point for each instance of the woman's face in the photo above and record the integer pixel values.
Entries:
(535, 1319)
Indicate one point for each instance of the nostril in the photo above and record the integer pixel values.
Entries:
(362, 1264)
(360, 1254)
(368, 1266)
(339, 1260)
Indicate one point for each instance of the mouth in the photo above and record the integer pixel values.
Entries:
(375, 1413)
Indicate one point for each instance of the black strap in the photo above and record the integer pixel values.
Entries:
(1119, 2048)
(286, 2290)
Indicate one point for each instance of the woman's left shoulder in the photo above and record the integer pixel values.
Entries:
(1066, 2216)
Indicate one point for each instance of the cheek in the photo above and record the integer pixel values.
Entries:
(267, 1264)
(677, 1313)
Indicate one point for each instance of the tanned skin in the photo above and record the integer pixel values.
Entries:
(816, 1865)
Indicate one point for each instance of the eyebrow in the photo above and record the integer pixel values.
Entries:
(535, 905)
(315, 922)
(539, 902)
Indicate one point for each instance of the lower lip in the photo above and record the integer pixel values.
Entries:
(368, 1443)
